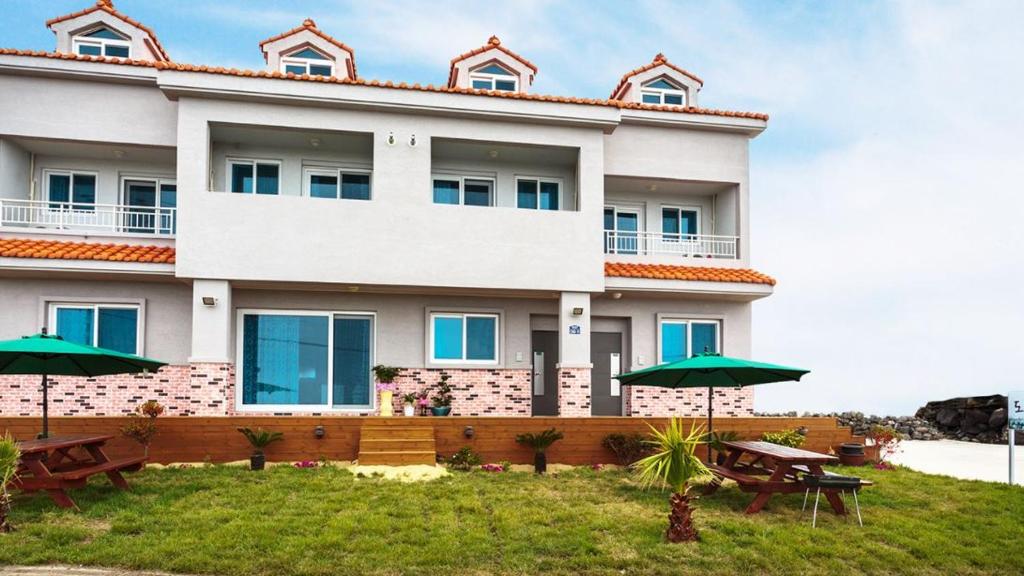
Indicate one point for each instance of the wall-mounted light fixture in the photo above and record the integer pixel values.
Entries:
(314, 142)
(616, 295)
(209, 301)
(412, 140)
(492, 153)
(319, 432)
(391, 139)
(577, 311)
(468, 432)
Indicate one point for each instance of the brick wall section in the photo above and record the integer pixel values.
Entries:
(574, 391)
(648, 401)
(476, 391)
(197, 390)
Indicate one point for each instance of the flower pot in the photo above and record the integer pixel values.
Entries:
(386, 409)
(872, 452)
(257, 461)
(540, 462)
(440, 410)
(409, 410)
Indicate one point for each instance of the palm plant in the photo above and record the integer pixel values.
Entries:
(9, 457)
(675, 464)
(540, 443)
(260, 439)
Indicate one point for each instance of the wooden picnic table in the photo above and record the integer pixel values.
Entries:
(52, 464)
(781, 465)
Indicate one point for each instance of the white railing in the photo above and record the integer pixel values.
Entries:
(87, 217)
(684, 245)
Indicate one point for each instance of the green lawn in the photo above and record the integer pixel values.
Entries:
(227, 520)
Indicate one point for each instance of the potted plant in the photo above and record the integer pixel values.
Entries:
(674, 464)
(260, 439)
(142, 426)
(386, 386)
(409, 402)
(716, 441)
(885, 442)
(423, 402)
(9, 457)
(540, 443)
(443, 397)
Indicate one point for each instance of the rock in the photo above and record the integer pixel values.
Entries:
(948, 417)
(997, 419)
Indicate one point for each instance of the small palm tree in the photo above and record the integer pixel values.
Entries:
(675, 464)
(9, 456)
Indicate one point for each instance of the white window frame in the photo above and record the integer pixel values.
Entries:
(305, 63)
(329, 406)
(688, 322)
(231, 161)
(493, 78)
(82, 39)
(310, 171)
(47, 172)
(464, 316)
(95, 306)
(157, 181)
(461, 178)
(615, 208)
(678, 208)
(561, 191)
(660, 93)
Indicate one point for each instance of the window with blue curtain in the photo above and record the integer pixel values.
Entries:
(355, 186)
(481, 334)
(105, 33)
(83, 191)
(353, 341)
(526, 194)
(168, 201)
(679, 222)
(59, 189)
(447, 337)
(476, 193)
(704, 336)
(446, 191)
(673, 341)
(320, 70)
(323, 185)
(76, 324)
(505, 85)
(295, 68)
(241, 178)
(549, 196)
(110, 327)
(651, 98)
(116, 51)
(266, 178)
(661, 84)
(308, 53)
(285, 359)
(494, 69)
(90, 50)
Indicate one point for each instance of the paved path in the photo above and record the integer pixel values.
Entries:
(71, 571)
(965, 460)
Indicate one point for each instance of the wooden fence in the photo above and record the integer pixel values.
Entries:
(215, 439)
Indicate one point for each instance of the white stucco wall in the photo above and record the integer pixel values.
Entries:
(14, 170)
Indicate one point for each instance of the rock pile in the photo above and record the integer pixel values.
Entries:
(911, 427)
(974, 419)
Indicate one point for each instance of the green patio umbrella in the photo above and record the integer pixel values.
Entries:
(709, 370)
(51, 355)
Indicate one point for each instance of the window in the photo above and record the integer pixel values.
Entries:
(111, 326)
(102, 42)
(535, 193)
(494, 77)
(679, 339)
(306, 360)
(661, 91)
(76, 188)
(248, 176)
(464, 338)
(468, 191)
(621, 230)
(680, 223)
(307, 61)
(337, 183)
(151, 204)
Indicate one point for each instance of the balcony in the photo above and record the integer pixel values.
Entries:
(661, 244)
(86, 218)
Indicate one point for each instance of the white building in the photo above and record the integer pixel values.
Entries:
(273, 234)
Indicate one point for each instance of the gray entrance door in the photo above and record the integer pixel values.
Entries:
(606, 355)
(545, 378)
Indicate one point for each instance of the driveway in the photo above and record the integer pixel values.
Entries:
(965, 460)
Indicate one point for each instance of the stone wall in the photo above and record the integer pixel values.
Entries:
(911, 427)
(974, 419)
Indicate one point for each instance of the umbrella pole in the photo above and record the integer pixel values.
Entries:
(46, 417)
(710, 411)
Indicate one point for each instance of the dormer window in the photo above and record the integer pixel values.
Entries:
(307, 61)
(661, 91)
(494, 77)
(102, 41)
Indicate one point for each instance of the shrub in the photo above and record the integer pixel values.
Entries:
(791, 438)
(260, 438)
(443, 396)
(887, 439)
(386, 374)
(541, 441)
(627, 448)
(142, 427)
(464, 459)
(9, 457)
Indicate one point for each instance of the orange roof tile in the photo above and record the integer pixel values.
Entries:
(108, 7)
(689, 273)
(386, 84)
(66, 250)
(493, 43)
(309, 24)
(659, 60)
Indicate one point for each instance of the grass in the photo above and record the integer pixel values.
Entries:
(285, 521)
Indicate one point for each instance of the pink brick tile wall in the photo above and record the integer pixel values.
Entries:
(653, 402)
(574, 391)
(477, 391)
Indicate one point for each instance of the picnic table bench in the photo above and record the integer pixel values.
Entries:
(780, 464)
(51, 464)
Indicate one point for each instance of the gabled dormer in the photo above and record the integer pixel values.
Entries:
(492, 67)
(307, 50)
(659, 83)
(100, 30)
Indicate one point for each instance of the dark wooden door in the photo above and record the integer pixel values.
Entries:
(606, 356)
(545, 377)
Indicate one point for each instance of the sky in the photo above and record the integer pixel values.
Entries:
(886, 194)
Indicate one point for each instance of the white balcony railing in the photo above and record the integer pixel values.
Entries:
(683, 245)
(94, 218)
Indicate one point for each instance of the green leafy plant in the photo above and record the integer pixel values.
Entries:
(540, 441)
(627, 448)
(409, 398)
(260, 438)
(464, 459)
(386, 374)
(9, 457)
(675, 464)
(790, 438)
(443, 396)
(717, 440)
